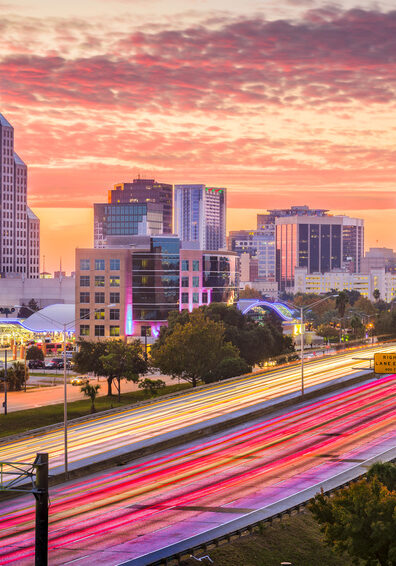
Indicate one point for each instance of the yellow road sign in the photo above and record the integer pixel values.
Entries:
(385, 363)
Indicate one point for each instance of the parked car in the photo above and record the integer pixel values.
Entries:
(57, 363)
(36, 364)
(79, 380)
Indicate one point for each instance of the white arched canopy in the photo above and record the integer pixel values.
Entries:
(52, 319)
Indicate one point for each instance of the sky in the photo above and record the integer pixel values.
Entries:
(284, 102)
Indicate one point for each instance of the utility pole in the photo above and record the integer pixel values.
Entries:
(5, 382)
(41, 495)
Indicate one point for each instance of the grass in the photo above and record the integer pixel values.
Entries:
(296, 539)
(22, 421)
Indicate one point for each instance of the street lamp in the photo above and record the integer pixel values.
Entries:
(65, 327)
(302, 309)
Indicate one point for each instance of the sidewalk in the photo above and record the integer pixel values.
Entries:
(52, 395)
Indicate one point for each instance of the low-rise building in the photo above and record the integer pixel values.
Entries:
(365, 283)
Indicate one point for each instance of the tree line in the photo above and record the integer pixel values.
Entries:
(211, 343)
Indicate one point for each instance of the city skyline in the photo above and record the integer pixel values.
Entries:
(286, 104)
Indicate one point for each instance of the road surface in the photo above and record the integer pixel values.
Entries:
(107, 433)
(116, 516)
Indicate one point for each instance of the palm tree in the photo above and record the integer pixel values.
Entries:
(91, 391)
(341, 302)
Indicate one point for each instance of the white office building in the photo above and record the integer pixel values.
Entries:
(200, 216)
(19, 227)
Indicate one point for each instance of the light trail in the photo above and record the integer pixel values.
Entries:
(176, 488)
(106, 433)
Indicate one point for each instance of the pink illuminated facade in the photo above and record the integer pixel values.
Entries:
(130, 291)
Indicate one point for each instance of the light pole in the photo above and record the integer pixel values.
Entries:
(302, 309)
(65, 326)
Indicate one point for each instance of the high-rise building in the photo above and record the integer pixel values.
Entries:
(123, 220)
(19, 227)
(318, 242)
(141, 208)
(200, 216)
(144, 191)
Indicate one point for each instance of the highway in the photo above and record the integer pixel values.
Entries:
(111, 517)
(104, 434)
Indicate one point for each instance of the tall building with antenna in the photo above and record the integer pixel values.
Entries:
(19, 226)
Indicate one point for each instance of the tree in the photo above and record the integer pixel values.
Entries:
(91, 391)
(123, 361)
(194, 350)
(361, 519)
(327, 331)
(341, 302)
(151, 386)
(250, 293)
(357, 326)
(34, 353)
(15, 376)
(88, 357)
(26, 311)
(376, 294)
(255, 341)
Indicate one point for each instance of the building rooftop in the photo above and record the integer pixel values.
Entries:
(18, 160)
(31, 214)
(4, 122)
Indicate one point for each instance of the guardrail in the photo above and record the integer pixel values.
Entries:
(254, 520)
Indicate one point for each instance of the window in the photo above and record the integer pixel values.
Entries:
(184, 298)
(99, 298)
(84, 297)
(114, 314)
(99, 281)
(84, 313)
(195, 265)
(85, 265)
(114, 330)
(114, 265)
(195, 282)
(100, 264)
(99, 330)
(84, 281)
(195, 298)
(84, 329)
(185, 281)
(205, 298)
(185, 265)
(114, 298)
(99, 314)
(114, 280)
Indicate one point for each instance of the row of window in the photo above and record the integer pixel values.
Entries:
(185, 281)
(100, 264)
(99, 281)
(99, 330)
(185, 298)
(85, 297)
(99, 314)
(185, 265)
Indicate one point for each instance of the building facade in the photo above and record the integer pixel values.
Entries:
(125, 220)
(365, 283)
(200, 216)
(143, 191)
(130, 291)
(19, 227)
(319, 243)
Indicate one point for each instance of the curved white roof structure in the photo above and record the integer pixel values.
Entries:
(52, 319)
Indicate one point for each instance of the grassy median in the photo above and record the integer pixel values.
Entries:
(28, 419)
(296, 539)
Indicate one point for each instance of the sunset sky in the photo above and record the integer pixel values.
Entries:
(284, 102)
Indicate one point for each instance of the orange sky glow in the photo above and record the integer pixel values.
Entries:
(285, 103)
